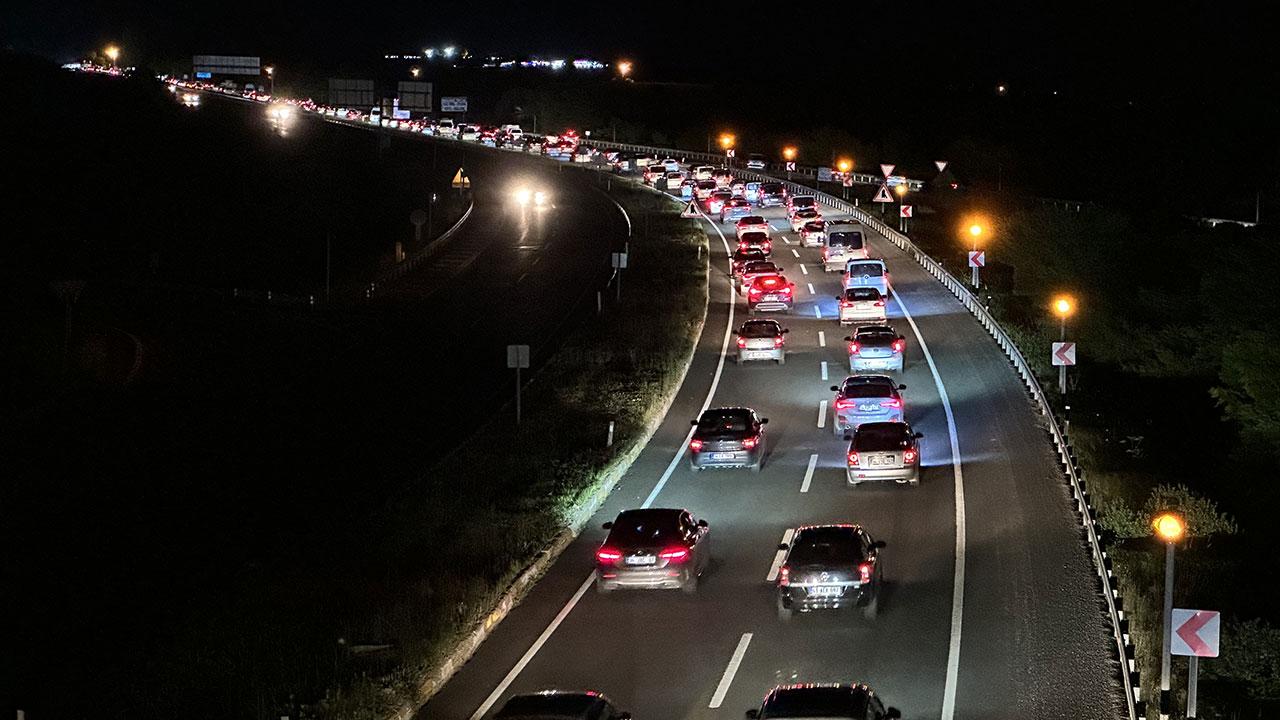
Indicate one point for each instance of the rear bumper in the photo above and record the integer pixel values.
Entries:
(769, 354)
(642, 579)
(860, 364)
(850, 420)
(849, 318)
(907, 474)
(798, 598)
(769, 306)
(738, 458)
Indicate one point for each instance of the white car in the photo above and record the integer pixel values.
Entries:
(876, 347)
(868, 272)
(802, 217)
(795, 203)
(470, 133)
(751, 223)
(812, 233)
(861, 305)
(703, 172)
(756, 161)
(446, 128)
(671, 165)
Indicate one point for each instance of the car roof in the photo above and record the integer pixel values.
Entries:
(553, 703)
(851, 698)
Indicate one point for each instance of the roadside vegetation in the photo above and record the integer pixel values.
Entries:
(1175, 405)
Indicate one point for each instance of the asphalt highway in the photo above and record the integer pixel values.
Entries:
(990, 608)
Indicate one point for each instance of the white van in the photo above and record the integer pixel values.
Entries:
(445, 127)
(844, 241)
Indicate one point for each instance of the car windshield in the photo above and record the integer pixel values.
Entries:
(867, 389)
(862, 294)
(759, 329)
(845, 238)
(881, 437)
(644, 527)
(872, 269)
(725, 421)
(826, 546)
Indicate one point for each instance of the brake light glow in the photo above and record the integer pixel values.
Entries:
(607, 555)
(742, 342)
(853, 458)
(899, 345)
(751, 442)
(880, 303)
(845, 403)
(778, 341)
(891, 403)
(675, 554)
(864, 571)
(695, 445)
(909, 456)
(854, 347)
(784, 576)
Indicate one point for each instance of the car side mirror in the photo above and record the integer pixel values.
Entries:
(892, 713)
(835, 388)
(878, 545)
(764, 421)
(608, 525)
(901, 386)
(848, 339)
(918, 436)
(702, 523)
(786, 330)
(783, 546)
(693, 422)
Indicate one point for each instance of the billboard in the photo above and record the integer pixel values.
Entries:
(453, 104)
(226, 65)
(351, 93)
(414, 96)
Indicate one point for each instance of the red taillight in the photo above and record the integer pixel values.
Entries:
(766, 246)
(742, 342)
(899, 345)
(695, 445)
(879, 303)
(891, 403)
(756, 290)
(675, 554)
(786, 291)
(853, 458)
(784, 576)
(845, 403)
(854, 348)
(909, 456)
(751, 442)
(864, 570)
(778, 341)
(608, 555)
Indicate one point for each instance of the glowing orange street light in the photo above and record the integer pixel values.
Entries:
(1169, 527)
(113, 53)
(624, 68)
(726, 140)
(789, 153)
(844, 165)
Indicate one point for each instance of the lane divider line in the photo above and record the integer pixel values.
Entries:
(779, 556)
(795, 252)
(824, 369)
(727, 679)
(822, 338)
(811, 292)
(804, 269)
(822, 414)
(817, 311)
(808, 472)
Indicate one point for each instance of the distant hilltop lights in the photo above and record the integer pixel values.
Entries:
(494, 61)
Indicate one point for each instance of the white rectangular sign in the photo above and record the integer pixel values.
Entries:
(453, 104)
(1195, 632)
(1064, 353)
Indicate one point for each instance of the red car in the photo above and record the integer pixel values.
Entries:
(770, 292)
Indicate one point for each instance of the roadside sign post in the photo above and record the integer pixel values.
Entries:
(848, 183)
(905, 213)
(791, 167)
(882, 196)
(418, 218)
(977, 260)
(619, 262)
(1195, 634)
(461, 181)
(517, 359)
(1064, 354)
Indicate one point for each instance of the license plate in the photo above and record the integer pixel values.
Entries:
(641, 560)
(870, 408)
(881, 460)
(826, 590)
(757, 354)
(722, 456)
(770, 297)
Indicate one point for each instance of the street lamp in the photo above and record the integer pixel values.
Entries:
(1170, 528)
(975, 231)
(624, 68)
(726, 142)
(1063, 306)
(270, 70)
(789, 155)
(113, 53)
(415, 72)
(901, 191)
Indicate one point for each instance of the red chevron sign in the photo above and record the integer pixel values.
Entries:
(1195, 632)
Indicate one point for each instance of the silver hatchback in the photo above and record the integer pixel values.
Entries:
(883, 451)
(876, 347)
(762, 340)
(863, 399)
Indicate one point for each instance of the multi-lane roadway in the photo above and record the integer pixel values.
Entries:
(990, 608)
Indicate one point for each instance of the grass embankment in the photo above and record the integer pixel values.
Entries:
(1156, 334)
(456, 540)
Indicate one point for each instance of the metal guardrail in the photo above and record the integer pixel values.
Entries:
(1075, 476)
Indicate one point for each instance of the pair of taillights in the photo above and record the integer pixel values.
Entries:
(784, 289)
(851, 303)
(846, 403)
(675, 554)
(748, 443)
(864, 574)
(777, 342)
(898, 345)
(909, 457)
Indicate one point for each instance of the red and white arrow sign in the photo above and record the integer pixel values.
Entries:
(1064, 353)
(977, 258)
(887, 169)
(791, 166)
(905, 210)
(1195, 632)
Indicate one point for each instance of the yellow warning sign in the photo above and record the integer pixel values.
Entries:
(460, 180)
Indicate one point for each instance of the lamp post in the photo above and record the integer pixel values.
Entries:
(901, 191)
(270, 70)
(1170, 528)
(844, 165)
(789, 157)
(113, 54)
(975, 232)
(726, 142)
(624, 68)
(1063, 306)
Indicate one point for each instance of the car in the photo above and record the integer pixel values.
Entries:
(844, 241)
(762, 340)
(852, 701)
(470, 133)
(671, 164)
(716, 201)
(752, 270)
(743, 255)
(772, 194)
(883, 451)
(704, 189)
(770, 293)
(674, 179)
(756, 161)
(584, 154)
(812, 233)
(734, 209)
(722, 176)
(868, 272)
(727, 437)
(796, 203)
(738, 188)
(561, 705)
(651, 174)
(875, 347)
(860, 305)
(653, 549)
(703, 172)
(756, 239)
(828, 567)
(446, 128)
(688, 187)
(865, 398)
(643, 161)
(751, 191)
(803, 217)
(751, 223)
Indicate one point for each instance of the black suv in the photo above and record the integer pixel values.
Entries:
(853, 701)
(830, 567)
(560, 705)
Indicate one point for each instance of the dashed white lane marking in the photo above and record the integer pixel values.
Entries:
(536, 260)
(811, 288)
(817, 311)
(773, 227)
(804, 269)
(813, 463)
(732, 669)
(822, 339)
(785, 240)
(822, 414)
(824, 369)
(779, 556)
(795, 252)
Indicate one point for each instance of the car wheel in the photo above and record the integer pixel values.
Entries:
(784, 612)
(835, 428)
(601, 588)
(690, 584)
(782, 359)
(738, 359)
(755, 467)
(872, 608)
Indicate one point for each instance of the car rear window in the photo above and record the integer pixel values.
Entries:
(706, 184)
(815, 226)
(861, 269)
(867, 390)
(753, 220)
(881, 437)
(802, 201)
(639, 527)
(551, 705)
(861, 293)
(771, 188)
(725, 421)
(759, 329)
(826, 546)
(760, 267)
(845, 238)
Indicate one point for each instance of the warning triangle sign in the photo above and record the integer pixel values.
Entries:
(690, 210)
(882, 195)
(460, 180)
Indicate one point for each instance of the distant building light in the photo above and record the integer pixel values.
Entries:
(429, 52)
(449, 51)
(557, 64)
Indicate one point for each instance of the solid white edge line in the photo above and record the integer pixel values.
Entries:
(779, 556)
(732, 669)
(822, 338)
(808, 472)
(582, 589)
(533, 649)
(957, 587)
(822, 413)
